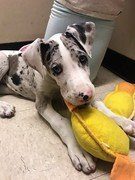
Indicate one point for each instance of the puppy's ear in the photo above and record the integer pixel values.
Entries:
(33, 55)
(84, 33)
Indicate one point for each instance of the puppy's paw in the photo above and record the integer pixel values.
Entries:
(6, 110)
(81, 160)
(130, 128)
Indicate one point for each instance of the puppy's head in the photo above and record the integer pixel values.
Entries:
(66, 57)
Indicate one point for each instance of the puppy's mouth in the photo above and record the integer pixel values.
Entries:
(77, 104)
(83, 105)
(71, 107)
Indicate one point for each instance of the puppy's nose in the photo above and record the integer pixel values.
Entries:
(85, 97)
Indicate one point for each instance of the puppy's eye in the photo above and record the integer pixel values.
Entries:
(83, 60)
(68, 35)
(56, 69)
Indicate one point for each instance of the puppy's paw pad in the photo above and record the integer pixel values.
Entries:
(6, 110)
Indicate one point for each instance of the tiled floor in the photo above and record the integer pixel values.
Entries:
(29, 149)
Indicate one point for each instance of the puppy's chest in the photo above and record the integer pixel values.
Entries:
(21, 78)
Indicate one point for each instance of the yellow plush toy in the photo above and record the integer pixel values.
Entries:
(122, 100)
(98, 134)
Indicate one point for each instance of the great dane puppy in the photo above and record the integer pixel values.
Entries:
(42, 69)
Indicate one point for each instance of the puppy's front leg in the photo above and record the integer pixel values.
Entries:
(126, 124)
(80, 159)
